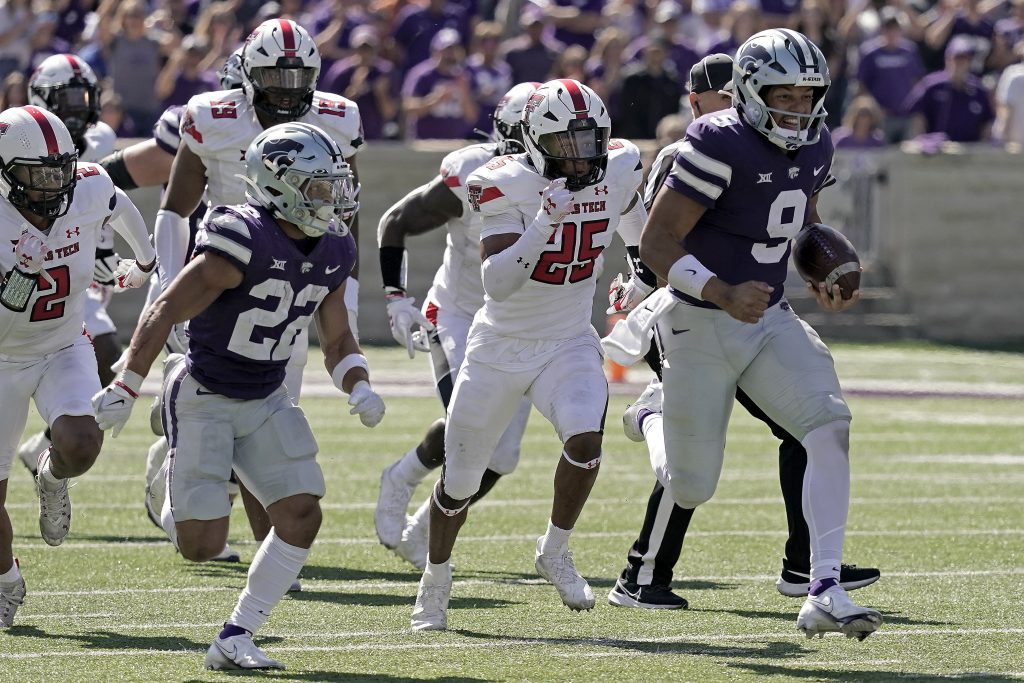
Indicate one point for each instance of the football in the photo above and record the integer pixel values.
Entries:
(823, 254)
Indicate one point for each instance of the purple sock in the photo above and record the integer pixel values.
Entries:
(231, 630)
(822, 585)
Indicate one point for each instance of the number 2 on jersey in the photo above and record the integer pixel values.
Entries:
(270, 347)
(50, 304)
(570, 262)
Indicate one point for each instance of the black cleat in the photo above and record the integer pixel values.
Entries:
(628, 594)
(794, 584)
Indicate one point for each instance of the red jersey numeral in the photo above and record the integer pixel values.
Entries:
(51, 305)
(570, 262)
(330, 108)
(223, 110)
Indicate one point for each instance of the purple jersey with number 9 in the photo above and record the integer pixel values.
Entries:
(757, 197)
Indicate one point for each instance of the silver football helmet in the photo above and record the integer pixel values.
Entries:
(780, 57)
(299, 174)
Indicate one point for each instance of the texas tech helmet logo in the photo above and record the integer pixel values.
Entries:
(532, 103)
(3, 127)
(280, 153)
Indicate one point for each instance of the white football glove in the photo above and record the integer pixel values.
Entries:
(366, 403)
(555, 203)
(29, 253)
(129, 275)
(113, 405)
(104, 267)
(402, 315)
(626, 293)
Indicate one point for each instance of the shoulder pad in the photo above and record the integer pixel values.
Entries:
(167, 129)
(457, 165)
(209, 117)
(339, 118)
(504, 182)
(227, 232)
(625, 168)
(100, 140)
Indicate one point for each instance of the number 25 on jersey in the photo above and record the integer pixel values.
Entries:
(574, 261)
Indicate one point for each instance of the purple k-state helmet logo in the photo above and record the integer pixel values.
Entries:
(280, 153)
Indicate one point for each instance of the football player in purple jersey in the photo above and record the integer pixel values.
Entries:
(742, 184)
(646, 580)
(261, 271)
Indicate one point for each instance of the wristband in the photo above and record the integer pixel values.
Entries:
(130, 382)
(688, 275)
(352, 360)
(393, 267)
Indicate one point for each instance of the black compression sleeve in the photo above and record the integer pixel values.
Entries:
(118, 172)
(392, 269)
(645, 274)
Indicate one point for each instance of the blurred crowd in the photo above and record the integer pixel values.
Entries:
(930, 70)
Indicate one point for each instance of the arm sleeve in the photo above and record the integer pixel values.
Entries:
(171, 235)
(129, 224)
(631, 224)
(507, 271)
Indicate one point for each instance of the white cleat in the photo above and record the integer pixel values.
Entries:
(29, 451)
(156, 409)
(560, 571)
(12, 596)
(238, 652)
(648, 402)
(833, 610)
(54, 512)
(229, 554)
(155, 492)
(431, 611)
(392, 504)
(413, 546)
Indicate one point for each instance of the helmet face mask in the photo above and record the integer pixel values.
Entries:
(566, 131)
(280, 65)
(779, 57)
(299, 174)
(230, 73)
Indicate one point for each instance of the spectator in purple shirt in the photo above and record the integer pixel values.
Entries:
(332, 26)
(965, 18)
(1008, 34)
(45, 43)
(490, 77)
(890, 66)
(532, 54)
(650, 91)
(436, 97)
(952, 102)
(861, 127)
(416, 26)
(576, 21)
(666, 23)
(742, 21)
(181, 77)
(365, 79)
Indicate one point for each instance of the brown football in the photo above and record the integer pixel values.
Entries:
(823, 254)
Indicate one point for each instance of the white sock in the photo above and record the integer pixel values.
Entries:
(410, 469)
(422, 514)
(275, 567)
(654, 434)
(11, 575)
(155, 458)
(46, 478)
(555, 540)
(437, 572)
(826, 496)
(167, 519)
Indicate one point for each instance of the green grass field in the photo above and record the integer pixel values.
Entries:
(937, 489)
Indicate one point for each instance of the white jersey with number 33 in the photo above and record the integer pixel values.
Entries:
(557, 301)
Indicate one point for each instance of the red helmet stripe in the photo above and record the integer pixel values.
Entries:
(288, 36)
(49, 136)
(579, 105)
(75, 66)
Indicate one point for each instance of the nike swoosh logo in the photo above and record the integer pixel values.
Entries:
(114, 403)
(200, 392)
(818, 170)
(688, 270)
(330, 270)
(675, 331)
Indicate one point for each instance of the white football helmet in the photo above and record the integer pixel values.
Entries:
(230, 72)
(280, 66)
(38, 161)
(508, 118)
(298, 173)
(780, 57)
(565, 131)
(67, 86)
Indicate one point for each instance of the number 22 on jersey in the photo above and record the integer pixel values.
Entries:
(574, 262)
